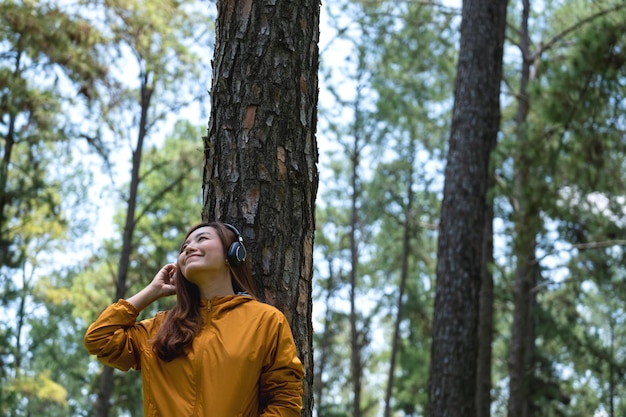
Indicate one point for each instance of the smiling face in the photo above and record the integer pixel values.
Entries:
(202, 254)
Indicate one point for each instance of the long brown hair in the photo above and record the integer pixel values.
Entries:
(184, 321)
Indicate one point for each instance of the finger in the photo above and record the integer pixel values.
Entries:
(170, 289)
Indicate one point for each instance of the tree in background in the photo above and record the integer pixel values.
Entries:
(261, 152)
(559, 150)
(168, 202)
(475, 125)
(591, 207)
(346, 194)
(50, 70)
(356, 141)
(331, 328)
(567, 333)
(158, 38)
(393, 94)
(413, 85)
(33, 110)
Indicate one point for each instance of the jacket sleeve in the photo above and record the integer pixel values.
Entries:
(281, 379)
(116, 337)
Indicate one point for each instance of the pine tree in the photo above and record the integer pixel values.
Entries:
(261, 151)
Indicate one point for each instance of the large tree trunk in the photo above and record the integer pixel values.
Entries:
(260, 152)
(475, 124)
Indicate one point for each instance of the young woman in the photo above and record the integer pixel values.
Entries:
(218, 352)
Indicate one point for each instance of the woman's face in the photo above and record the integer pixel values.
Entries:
(201, 253)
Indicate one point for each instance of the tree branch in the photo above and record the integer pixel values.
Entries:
(589, 245)
(158, 196)
(548, 45)
(580, 246)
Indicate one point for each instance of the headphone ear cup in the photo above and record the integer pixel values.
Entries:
(236, 253)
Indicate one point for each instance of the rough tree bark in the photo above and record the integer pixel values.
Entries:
(260, 169)
(475, 125)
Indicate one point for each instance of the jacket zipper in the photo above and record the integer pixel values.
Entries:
(198, 401)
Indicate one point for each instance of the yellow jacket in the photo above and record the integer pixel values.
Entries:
(242, 363)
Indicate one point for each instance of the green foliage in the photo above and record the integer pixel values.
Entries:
(40, 225)
(570, 153)
(169, 199)
(41, 388)
(413, 81)
(51, 87)
(158, 52)
(571, 146)
(389, 141)
(44, 35)
(47, 52)
(582, 104)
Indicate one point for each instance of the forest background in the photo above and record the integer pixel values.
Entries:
(103, 108)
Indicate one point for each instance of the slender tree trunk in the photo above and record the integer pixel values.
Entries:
(324, 345)
(526, 227)
(260, 151)
(356, 362)
(129, 226)
(406, 251)
(522, 330)
(21, 318)
(357, 332)
(612, 382)
(103, 404)
(530, 341)
(5, 194)
(485, 322)
(105, 389)
(475, 125)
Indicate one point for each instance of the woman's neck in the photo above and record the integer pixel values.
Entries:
(216, 288)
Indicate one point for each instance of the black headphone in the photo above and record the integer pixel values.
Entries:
(237, 252)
